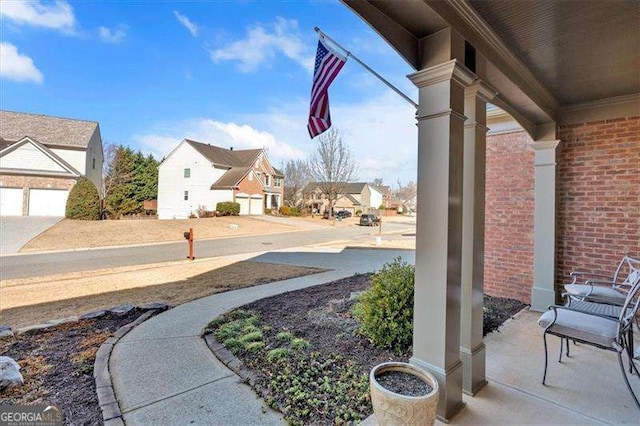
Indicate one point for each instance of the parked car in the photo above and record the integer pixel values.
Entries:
(343, 214)
(369, 220)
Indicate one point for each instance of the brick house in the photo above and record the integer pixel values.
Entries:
(41, 159)
(198, 175)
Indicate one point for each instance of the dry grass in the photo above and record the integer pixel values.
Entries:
(37, 300)
(75, 234)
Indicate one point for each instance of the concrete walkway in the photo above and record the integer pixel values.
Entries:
(163, 373)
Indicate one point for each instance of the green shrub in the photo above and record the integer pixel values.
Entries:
(358, 212)
(254, 336)
(278, 353)
(233, 345)
(300, 344)
(285, 210)
(83, 202)
(268, 211)
(295, 211)
(385, 311)
(255, 347)
(228, 208)
(284, 336)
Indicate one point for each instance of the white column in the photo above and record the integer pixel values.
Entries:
(544, 239)
(472, 348)
(436, 334)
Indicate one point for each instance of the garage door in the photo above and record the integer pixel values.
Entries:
(244, 205)
(256, 205)
(10, 201)
(47, 202)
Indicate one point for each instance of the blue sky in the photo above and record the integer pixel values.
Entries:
(232, 73)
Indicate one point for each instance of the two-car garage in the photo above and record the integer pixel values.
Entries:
(250, 204)
(40, 202)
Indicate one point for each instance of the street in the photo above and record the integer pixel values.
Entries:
(40, 264)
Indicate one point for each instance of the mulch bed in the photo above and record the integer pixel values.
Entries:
(57, 366)
(403, 383)
(321, 315)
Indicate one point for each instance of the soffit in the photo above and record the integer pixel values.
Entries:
(582, 50)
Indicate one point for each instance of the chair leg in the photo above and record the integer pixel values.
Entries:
(567, 348)
(561, 343)
(626, 380)
(546, 358)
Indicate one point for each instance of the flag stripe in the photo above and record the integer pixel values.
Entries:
(328, 65)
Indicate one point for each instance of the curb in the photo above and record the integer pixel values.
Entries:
(229, 360)
(111, 414)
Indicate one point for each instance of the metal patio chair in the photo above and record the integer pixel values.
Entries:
(600, 288)
(596, 330)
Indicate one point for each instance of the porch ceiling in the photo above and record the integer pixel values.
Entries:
(582, 50)
(544, 57)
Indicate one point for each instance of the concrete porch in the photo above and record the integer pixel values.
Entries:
(585, 389)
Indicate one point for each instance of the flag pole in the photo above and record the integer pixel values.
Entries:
(365, 66)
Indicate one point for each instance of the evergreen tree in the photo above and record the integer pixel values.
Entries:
(83, 202)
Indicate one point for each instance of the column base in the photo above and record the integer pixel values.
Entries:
(450, 382)
(474, 372)
(541, 298)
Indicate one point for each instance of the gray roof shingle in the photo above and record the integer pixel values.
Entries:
(45, 129)
(226, 157)
(231, 178)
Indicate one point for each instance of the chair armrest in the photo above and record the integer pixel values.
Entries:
(593, 314)
(600, 283)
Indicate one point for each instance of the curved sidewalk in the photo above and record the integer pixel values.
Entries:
(163, 373)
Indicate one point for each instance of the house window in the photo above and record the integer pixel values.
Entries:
(186, 195)
(93, 162)
(267, 180)
(187, 173)
(277, 181)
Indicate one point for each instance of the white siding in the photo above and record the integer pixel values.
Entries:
(75, 157)
(29, 157)
(172, 184)
(375, 198)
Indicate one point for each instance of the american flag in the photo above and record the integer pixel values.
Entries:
(328, 65)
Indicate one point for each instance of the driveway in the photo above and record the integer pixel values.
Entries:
(16, 231)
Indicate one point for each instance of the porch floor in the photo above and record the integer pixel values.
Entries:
(585, 389)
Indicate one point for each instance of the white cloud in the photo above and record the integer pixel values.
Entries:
(58, 15)
(380, 131)
(16, 66)
(186, 22)
(263, 42)
(225, 134)
(113, 35)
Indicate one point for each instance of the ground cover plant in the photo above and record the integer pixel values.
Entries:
(57, 366)
(308, 352)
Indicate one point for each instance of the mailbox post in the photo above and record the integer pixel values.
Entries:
(189, 237)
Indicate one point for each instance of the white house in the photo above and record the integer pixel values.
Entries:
(41, 158)
(197, 175)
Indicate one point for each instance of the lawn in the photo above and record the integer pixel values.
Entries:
(37, 300)
(77, 234)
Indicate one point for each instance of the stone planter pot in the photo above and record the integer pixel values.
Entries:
(391, 408)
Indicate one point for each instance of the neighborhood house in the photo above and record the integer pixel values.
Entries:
(196, 176)
(353, 197)
(41, 159)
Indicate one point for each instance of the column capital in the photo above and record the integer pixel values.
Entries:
(450, 70)
(480, 89)
(545, 145)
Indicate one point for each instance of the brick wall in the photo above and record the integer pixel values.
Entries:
(598, 190)
(509, 216)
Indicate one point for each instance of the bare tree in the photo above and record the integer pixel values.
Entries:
(407, 193)
(332, 166)
(378, 182)
(296, 177)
